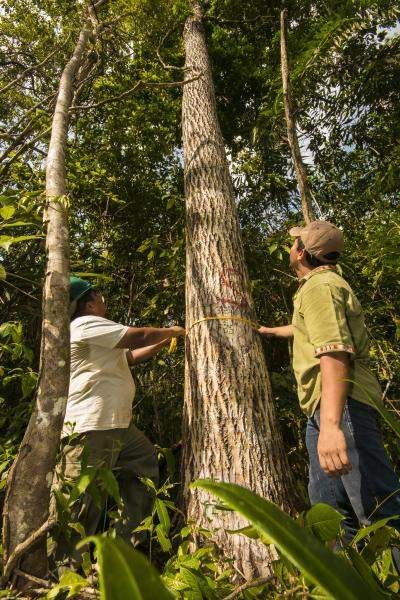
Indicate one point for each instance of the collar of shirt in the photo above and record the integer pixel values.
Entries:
(315, 271)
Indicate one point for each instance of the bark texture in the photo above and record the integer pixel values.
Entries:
(230, 429)
(28, 491)
(299, 167)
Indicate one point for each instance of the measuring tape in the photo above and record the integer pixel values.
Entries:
(252, 324)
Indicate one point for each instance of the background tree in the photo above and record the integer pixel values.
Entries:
(27, 499)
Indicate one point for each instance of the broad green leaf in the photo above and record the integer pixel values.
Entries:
(162, 515)
(28, 383)
(324, 521)
(365, 571)
(125, 573)
(251, 532)
(370, 529)
(192, 582)
(69, 581)
(318, 563)
(378, 542)
(163, 539)
(95, 275)
(82, 484)
(110, 484)
(17, 224)
(79, 528)
(7, 240)
(7, 212)
(3, 273)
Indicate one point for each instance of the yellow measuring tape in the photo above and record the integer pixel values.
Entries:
(224, 317)
(252, 324)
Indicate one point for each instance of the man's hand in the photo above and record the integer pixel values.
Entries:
(332, 452)
(266, 331)
(177, 331)
(284, 331)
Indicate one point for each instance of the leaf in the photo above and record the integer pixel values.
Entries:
(185, 532)
(110, 484)
(7, 212)
(318, 563)
(324, 521)
(163, 539)
(82, 484)
(28, 383)
(96, 275)
(365, 571)
(253, 533)
(79, 528)
(172, 346)
(69, 581)
(6, 240)
(3, 273)
(125, 573)
(370, 529)
(163, 515)
(17, 224)
(378, 542)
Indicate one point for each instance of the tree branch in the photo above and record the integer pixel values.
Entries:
(32, 109)
(17, 141)
(32, 68)
(165, 65)
(248, 585)
(22, 149)
(30, 577)
(24, 546)
(300, 170)
(138, 85)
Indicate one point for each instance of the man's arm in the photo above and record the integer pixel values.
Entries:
(285, 331)
(332, 447)
(141, 354)
(140, 337)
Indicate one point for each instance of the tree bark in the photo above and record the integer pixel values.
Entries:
(299, 167)
(230, 429)
(28, 492)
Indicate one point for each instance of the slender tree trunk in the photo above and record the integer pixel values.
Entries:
(28, 492)
(230, 429)
(299, 167)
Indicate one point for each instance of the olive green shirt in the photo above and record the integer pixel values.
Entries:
(328, 318)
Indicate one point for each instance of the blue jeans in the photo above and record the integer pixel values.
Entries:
(371, 491)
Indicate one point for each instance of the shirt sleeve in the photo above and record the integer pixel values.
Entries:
(324, 311)
(103, 332)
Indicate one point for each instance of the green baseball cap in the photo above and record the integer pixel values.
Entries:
(78, 288)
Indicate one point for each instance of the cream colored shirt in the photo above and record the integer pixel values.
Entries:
(101, 388)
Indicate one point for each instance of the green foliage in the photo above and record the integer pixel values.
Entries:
(316, 562)
(70, 582)
(124, 572)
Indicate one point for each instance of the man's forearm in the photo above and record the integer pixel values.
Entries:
(284, 331)
(332, 444)
(334, 387)
(141, 354)
(141, 337)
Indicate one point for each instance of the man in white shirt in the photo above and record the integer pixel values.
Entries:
(99, 410)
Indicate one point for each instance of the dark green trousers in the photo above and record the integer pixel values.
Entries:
(130, 455)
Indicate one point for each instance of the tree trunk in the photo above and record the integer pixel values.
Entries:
(230, 429)
(299, 167)
(28, 492)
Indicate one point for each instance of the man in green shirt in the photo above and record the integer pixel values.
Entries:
(348, 467)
